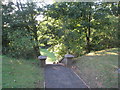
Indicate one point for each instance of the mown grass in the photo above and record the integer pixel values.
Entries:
(50, 56)
(0, 72)
(19, 73)
(99, 69)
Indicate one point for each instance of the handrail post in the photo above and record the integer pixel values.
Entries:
(42, 60)
(68, 58)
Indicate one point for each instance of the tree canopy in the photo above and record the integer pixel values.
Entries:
(68, 27)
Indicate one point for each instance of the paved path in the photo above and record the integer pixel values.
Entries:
(57, 76)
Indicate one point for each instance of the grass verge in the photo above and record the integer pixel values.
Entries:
(19, 73)
(50, 56)
(99, 69)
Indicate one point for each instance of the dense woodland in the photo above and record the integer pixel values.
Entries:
(67, 27)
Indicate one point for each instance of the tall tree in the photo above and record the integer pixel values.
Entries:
(86, 24)
(22, 28)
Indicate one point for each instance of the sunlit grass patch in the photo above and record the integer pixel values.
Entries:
(99, 70)
(113, 51)
(50, 56)
(19, 73)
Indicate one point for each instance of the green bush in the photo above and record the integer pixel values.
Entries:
(21, 45)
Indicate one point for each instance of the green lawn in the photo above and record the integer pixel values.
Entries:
(19, 73)
(50, 56)
(0, 72)
(99, 69)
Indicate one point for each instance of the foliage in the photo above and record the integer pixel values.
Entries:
(68, 27)
(21, 45)
(82, 26)
(20, 37)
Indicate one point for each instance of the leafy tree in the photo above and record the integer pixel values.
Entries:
(68, 27)
(20, 36)
(6, 21)
(85, 26)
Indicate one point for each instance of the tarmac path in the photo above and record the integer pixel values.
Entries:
(58, 76)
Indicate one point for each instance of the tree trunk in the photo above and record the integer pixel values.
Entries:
(36, 47)
(88, 33)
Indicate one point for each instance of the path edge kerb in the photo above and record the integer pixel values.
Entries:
(80, 78)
